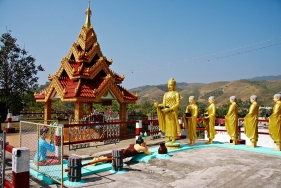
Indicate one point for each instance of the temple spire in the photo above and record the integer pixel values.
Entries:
(88, 17)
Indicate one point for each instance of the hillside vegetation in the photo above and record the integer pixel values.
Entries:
(242, 89)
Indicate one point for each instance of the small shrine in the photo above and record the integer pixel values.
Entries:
(84, 78)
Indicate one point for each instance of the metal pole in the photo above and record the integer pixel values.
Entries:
(61, 143)
(3, 158)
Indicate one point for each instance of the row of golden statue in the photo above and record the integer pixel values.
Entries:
(167, 114)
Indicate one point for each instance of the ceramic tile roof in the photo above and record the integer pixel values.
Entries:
(87, 88)
(127, 94)
(40, 96)
(118, 78)
(63, 82)
(70, 89)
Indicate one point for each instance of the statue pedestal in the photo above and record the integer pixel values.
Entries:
(170, 145)
(239, 141)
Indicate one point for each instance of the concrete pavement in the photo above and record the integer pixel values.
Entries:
(217, 165)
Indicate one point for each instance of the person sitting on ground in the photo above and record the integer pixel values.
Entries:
(133, 150)
(41, 157)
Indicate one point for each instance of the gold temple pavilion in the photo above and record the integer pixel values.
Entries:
(84, 77)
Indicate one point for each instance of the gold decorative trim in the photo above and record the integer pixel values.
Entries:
(77, 87)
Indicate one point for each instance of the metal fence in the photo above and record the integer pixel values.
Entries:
(2, 158)
(31, 136)
(76, 136)
(79, 136)
(91, 135)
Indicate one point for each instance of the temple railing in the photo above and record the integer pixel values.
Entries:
(84, 135)
(221, 121)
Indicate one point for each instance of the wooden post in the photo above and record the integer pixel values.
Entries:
(47, 110)
(117, 163)
(78, 113)
(75, 165)
(122, 117)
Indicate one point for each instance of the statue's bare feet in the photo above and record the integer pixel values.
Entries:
(168, 140)
(173, 140)
(207, 142)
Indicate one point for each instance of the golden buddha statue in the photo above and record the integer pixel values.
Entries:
(274, 126)
(167, 112)
(209, 120)
(231, 120)
(190, 120)
(251, 121)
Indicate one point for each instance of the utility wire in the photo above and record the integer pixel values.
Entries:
(166, 65)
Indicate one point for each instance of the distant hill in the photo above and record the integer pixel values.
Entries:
(243, 89)
(267, 78)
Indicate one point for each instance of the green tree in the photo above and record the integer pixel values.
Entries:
(132, 108)
(243, 107)
(17, 73)
(29, 103)
(146, 108)
(202, 108)
(222, 110)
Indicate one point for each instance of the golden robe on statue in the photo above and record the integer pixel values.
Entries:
(209, 123)
(231, 121)
(168, 122)
(190, 123)
(274, 126)
(251, 122)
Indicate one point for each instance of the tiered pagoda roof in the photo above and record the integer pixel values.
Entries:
(84, 74)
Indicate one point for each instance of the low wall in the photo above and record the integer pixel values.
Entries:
(264, 139)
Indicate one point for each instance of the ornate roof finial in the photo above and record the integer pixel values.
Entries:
(88, 17)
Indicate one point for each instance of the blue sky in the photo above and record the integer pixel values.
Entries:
(151, 41)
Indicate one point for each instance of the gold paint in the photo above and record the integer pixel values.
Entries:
(47, 110)
(78, 113)
(209, 121)
(251, 122)
(108, 76)
(88, 17)
(274, 123)
(105, 94)
(168, 117)
(171, 145)
(122, 117)
(231, 121)
(191, 121)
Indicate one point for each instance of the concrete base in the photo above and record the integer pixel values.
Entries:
(170, 145)
(10, 130)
